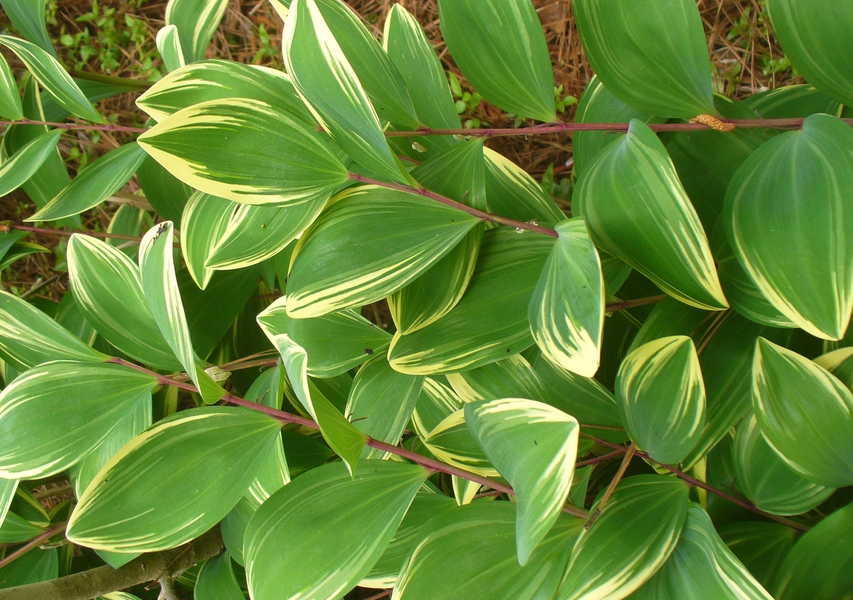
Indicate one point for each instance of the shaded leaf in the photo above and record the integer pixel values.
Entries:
(203, 223)
(216, 580)
(10, 101)
(18, 168)
(197, 21)
(761, 546)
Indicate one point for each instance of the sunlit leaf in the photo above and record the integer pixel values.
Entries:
(169, 45)
(452, 442)
(197, 21)
(204, 221)
(508, 378)
(512, 193)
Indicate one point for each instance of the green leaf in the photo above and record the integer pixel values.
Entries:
(653, 57)
(796, 400)
(54, 414)
(566, 312)
(164, 192)
(7, 492)
(637, 210)
(381, 401)
(28, 17)
(217, 80)
(99, 181)
(511, 377)
(500, 47)
(208, 456)
(815, 39)
(247, 151)
(534, 446)
(599, 105)
(203, 223)
(256, 233)
(821, 563)
(28, 337)
(471, 549)
(33, 567)
(399, 235)
(792, 248)
(16, 529)
(512, 193)
(328, 527)
(328, 84)
(452, 442)
(766, 480)
(107, 286)
(50, 74)
(792, 101)
(490, 322)
(662, 397)
(630, 541)
(434, 405)
(10, 100)
(701, 567)
(160, 286)
(197, 21)
(169, 46)
(21, 250)
(22, 165)
(355, 338)
(216, 580)
(761, 546)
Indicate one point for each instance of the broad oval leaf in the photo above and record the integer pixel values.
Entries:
(28, 337)
(796, 400)
(99, 181)
(451, 441)
(203, 223)
(208, 456)
(766, 480)
(662, 395)
(197, 21)
(793, 248)
(651, 55)
(512, 377)
(534, 446)
(637, 210)
(566, 311)
(500, 47)
(815, 38)
(761, 546)
(629, 541)
(10, 101)
(246, 151)
(216, 580)
(511, 192)
(319, 535)
(701, 568)
(369, 242)
(436, 402)
(472, 548)
(53, 415)
(792, 101)
(18, 168)
(107, 287)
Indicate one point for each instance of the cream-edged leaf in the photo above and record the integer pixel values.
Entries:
(203, 223)
(10, 100)
(511, 192)
(23, 164)
(511, 377)
(196, 21)
(451, 441)
(169, 45)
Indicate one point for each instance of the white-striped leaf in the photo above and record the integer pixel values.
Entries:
(208, 456)
(330, 87)
(369, 242)
(435, 403)
(197, 21)
(534, 446)
(29, 17)
(256, 233)
(381, 402)
(761, 546)
(169, 45)
(216, 580)
(512, 193)
(335, 343)
(794, 249)
(28, 337)
(629, 541)
(500, 47)
(566, 312)
(805, 413)
(318, 536)
(652, 56)
(203, 223)
(472, 548)
(10, 100)
(53, 415)
(792, 101)
(766, 480)
(99, 181)
(815, 38)
(490, 322)
(18, 168)
(219, 79)
(50, 74)
(637, 210)
(451, 441)
(662, 396)
(511, 377)
(107, 287)
(701, 568)
(7, 492)
(246, 151)
(160, 286)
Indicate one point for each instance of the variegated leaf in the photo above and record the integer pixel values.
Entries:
(10, 100)
(511, 377)
(169, 45)
(18, 168)
(203, 224)
(451, 441)
(196, 21)
(512, 193)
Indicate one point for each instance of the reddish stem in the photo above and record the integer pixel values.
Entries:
(626, 304)
(96, 234)
(32, 544)
(120, 128)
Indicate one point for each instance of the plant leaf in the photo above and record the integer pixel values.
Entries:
(653, 57)
(761, 546)
(169, 45)
(511, 377)
(203, 224)
(798, 262)
(348, 520)
(207, 455)
(512, 193)
(10, 100)
(7, 492)
(246, 151)
(197, 21)
(792, 101)
(434, 405)
(500, 47)
(55, 414)
(637, 210)
(28, 17)
(452, 442)
(795, 400)
(22, 165)
(216, 580)
(534, 446)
